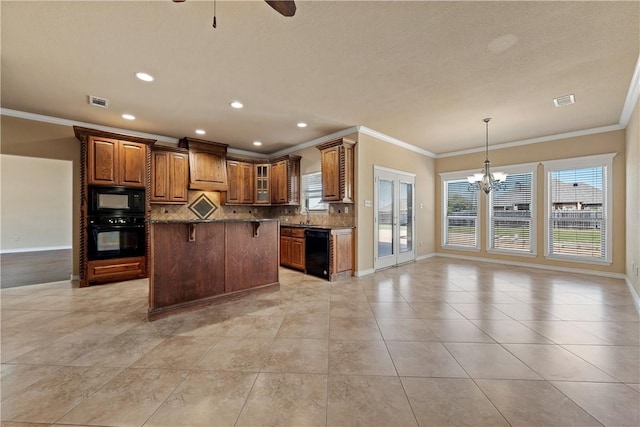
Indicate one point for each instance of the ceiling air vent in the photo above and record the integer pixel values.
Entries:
(98, 102)
(561, 101)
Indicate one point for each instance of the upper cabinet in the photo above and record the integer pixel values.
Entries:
(240, 176)
(262, 189)
(285, 180)
(116, 162)
(337, 160)
(169, 175)
(207, 164)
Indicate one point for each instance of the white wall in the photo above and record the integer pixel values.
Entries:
(36, 203)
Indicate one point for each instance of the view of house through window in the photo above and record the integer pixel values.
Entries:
(312, 192)
(461, 214)
(511, 227)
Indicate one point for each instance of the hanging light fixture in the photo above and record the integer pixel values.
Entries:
(485, 180)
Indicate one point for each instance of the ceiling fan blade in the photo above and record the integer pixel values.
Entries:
(283, 7)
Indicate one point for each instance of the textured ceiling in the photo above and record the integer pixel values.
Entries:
(426, 73)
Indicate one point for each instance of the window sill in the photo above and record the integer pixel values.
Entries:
(460, 248)
(515, 253)
(577, 259)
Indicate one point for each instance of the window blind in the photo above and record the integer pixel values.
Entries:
(461, 214)
(312, 192)
(577, 212)
(510, 215)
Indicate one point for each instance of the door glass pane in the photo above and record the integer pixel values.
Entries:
(406, 217)
(385, 218)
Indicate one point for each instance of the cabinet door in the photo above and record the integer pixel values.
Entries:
(103, 158)
(279, 182)
(208, 171)
(160, 180)
(133, 162)
(285, 250)
(246, 183)
(330, 164)
(263, 185)
(234, 178)
(178, 177)
(296, 253)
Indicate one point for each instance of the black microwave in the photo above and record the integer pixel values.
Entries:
(116, 201)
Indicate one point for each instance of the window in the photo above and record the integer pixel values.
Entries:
(461, 214)
(511, 212)
(312, 192)
(578, 209)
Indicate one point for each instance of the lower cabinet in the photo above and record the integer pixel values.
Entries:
(292, 248)
(110, 270)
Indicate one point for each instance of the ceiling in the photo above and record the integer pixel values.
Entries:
(426, 73)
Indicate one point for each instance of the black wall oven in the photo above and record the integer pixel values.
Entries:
(115, 201)
(116, 237)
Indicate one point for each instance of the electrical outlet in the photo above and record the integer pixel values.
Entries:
(346, 209)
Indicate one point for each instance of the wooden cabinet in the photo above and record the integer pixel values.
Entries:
(207, 164)
(116, 162)
(337, 166)
(341, 253)
(240, 175)
(292, 247)
(114, 270)
(169, 175)
(285, 180)
(262, 193)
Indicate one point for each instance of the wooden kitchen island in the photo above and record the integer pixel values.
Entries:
(201, 262)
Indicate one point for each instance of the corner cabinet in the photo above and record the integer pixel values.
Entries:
(116, 162)
(337, 166)
(169, 175)
(207, 164)
(285, 180)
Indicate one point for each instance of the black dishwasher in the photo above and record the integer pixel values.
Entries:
(317, 252)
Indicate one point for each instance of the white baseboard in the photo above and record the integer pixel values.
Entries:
(540, 266)
(634, 293)
(360, 273)
(22, 250)
(427, 256)
(74, 277)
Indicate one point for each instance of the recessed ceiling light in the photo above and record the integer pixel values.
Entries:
(236, 104)
(564, 100)
(128, 116)
(302, 125)
(257, 143)
(144, 76)
(200, 132)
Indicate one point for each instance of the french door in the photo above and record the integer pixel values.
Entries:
(394, 220)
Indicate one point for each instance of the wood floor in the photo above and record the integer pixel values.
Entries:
(28, 268)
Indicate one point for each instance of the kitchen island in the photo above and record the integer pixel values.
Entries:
(200, 262)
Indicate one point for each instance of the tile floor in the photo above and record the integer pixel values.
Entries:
(440, 342)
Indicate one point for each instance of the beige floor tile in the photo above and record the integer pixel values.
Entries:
(611, 404)
(17, 343)
(621, 362)
(310, 308)
(450, 402)
(384, 294)
(457, 331)
(65, 350)
(481, 360)
(360, 358)
(129, 399)
(553, 362)
(534, 403)
(349, 294)
(298, 356)
(119, 351)
(393, 310)
(205, 399)
(350, 309)
(353, 328)
(286, 400)
(254, 326)
(635, 386)
(236, 354)
(15, 378)
(561, 332)
(304, 326)
(424, 359)
(54, 395)
(32, 321)
(617, 333)
(367, 401)
(312, 294)
(510, 331)
(479, 311)
(393, 329)
(523, 311)
(180, 352)
(435, 311)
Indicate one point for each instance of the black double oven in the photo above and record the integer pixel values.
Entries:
(116, 224)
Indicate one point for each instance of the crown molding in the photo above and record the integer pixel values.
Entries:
(396, 141)
(314, 142)
(633, 94)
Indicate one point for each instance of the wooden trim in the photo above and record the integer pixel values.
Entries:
(83, 135)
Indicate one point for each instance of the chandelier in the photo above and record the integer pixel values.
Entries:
(485, 180)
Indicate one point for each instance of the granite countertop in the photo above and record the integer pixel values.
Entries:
(320, 227)
(204, 221)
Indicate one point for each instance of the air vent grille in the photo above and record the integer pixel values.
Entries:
(98, 102)
(561, 101)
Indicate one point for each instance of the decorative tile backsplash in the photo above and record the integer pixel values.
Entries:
(339, 214)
